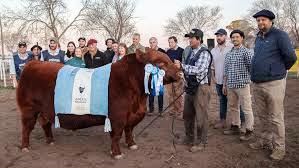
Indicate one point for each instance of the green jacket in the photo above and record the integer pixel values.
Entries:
(76, 62)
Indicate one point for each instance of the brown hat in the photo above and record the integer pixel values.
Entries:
(54, 39)
(91, 41)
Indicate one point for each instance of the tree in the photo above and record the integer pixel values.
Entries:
(292, 13)
(113, 17)
(11, 40)
(202, 17)
(45, 14)
(248, 30)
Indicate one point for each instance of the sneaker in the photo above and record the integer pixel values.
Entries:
(248, 135)
(277, 154)
(220, 124)
(196, 148)
(260, 145)
(234, 130)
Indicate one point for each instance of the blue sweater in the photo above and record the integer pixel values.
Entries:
(175, 54)
(273, 56)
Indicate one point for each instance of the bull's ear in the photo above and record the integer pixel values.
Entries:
(140, 56)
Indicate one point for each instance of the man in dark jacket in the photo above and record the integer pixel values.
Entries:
(94, 58)
(109, 52)
(174, 89)
(273, 56)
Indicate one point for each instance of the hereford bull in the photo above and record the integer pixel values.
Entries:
(126, 100)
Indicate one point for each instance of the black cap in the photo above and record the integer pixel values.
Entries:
(82, 38)
(265, 13)
(237, 31)
(22, 43)
(195, 33)
(36, 46)
(221, 31)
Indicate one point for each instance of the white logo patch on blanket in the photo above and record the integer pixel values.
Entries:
(81, 92)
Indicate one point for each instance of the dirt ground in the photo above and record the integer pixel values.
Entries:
(90, 147)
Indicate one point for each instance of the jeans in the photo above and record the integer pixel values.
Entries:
(223, 104)
(151, 100)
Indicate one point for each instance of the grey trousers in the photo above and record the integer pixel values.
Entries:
(196, 109)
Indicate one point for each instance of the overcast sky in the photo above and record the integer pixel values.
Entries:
(151, 15)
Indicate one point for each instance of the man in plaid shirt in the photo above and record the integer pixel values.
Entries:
(237, 85)
(196, 68)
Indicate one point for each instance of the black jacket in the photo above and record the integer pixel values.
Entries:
(161, 50)
(109, 54)
(98, 60)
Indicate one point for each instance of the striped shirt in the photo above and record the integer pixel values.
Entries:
(201, 66)
(237, 67)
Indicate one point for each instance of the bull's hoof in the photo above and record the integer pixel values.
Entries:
(25, 150)
(119, 157)
(51, 143)
(133, 147)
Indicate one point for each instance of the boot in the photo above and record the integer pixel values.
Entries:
(196, 148)
(259, 144)
(277, 154)
(234, 130)
(248, 135)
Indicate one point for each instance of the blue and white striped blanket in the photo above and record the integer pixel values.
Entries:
(82, 91)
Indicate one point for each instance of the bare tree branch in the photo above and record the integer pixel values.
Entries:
(286, 12)
(114, 17)
(40, 13)
(202, 17)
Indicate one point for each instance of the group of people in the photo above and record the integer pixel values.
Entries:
(86, 55)
(232, 67)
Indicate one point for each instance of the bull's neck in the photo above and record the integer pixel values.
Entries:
(136, 74)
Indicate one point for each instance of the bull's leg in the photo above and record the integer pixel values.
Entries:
(116, 135)
(46, 125)
(129, 138)
(28, 122)
(48, 132)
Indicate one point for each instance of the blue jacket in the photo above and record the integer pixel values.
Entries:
(273, 56)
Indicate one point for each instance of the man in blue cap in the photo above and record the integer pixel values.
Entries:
(273, 56)
(219, 52)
